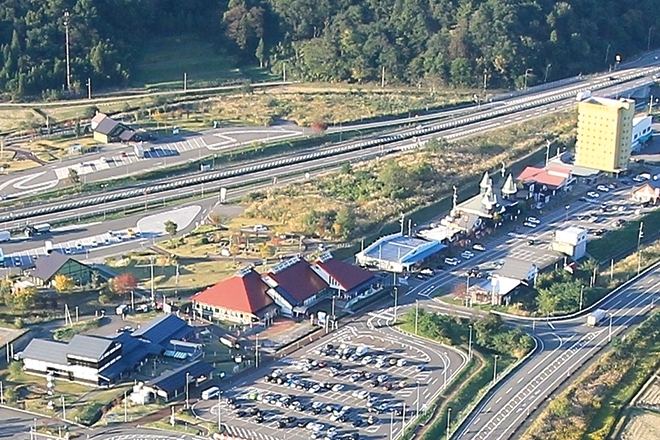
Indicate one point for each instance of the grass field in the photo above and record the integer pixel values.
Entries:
(165, 61)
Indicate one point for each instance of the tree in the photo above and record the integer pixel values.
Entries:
(267, 250)
(319, 127)
(21, 299)
(171, 228)
(124, 283)
(74, 177)
(63, 283)
(261, 53)
(345, 222)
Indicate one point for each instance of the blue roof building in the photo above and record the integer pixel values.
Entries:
(398, 253)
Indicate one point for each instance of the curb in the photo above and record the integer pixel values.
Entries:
(494, 386)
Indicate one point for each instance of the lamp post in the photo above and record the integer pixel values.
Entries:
(256, 351)
(470, 344)
(581, 296)
(68, 57)
(526, 74)
(607, 53)
(566, 208)
(609, 336)
(640, 234)
(648, 41)
(417, 402)
(547, 69)
(448, 421)
(495, 369)
(219, 413)
(416, 315)
(396, 300)
(187, 390)
(444, 373)
(467, 290)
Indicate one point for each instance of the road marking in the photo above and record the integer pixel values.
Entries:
(498, 400)
(509, 390)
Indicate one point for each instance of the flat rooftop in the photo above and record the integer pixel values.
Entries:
(402, 249)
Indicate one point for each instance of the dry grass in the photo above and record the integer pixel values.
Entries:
(12, 119)
(642, 425)
(290, 207)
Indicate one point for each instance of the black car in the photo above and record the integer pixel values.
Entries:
(353, 436)
(254, 411)
(280, 424)
(241, 413)
(289, 419)
(357, 423)
(302, 423)
(259, 419)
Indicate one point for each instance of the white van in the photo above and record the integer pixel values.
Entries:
(210, 393)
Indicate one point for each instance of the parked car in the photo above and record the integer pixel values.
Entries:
(427, 271)
(451, 261)
(534, 220)
(478, 247)
(530, 224)
(593, 194)
(467, 255)
(602, 188)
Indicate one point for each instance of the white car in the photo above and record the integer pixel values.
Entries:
(366, 360)
(533, 220)
(452, 261)
(338, 387)
(593, 194)
(427, 271)
(530, 224)
(478, 247)
(467, 255)
(602, 188)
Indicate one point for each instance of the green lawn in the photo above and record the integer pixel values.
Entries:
(164, 62)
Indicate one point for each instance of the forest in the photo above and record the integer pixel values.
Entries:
(463, 43)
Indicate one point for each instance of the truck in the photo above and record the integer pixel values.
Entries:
(596, 317)
(42, 228)
(48, 247)
(581, 96)
(139, 151)
(5, 236)
(210, 393)
(2, 258)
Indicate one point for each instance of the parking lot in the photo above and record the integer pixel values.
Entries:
(363, 381)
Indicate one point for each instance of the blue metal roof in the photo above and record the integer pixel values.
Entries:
(160, 330)
(402, 249)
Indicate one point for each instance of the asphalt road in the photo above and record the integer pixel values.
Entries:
(475, 126)
(441, 365)
(564, 347)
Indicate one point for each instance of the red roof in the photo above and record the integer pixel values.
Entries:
(348, 276)
(551, 177)
(243, 293)
(298, 280)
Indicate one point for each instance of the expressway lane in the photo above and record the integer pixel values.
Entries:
(533, 383)
(524, 108)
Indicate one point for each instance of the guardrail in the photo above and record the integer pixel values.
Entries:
(584, 311)
(367, 144)
(493, 387)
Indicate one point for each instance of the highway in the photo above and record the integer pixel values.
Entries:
(565, 345)
(525, 108)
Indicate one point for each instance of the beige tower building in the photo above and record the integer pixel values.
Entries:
(604, 134)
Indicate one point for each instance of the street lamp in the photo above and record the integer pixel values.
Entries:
(444, 372)
(470, 344)
(219, 413)
(526, 74)
(609, 336)
(547, 68)
(567, 207)
(417, 402)
(495, 369)
(467, 290)
(396, 300)
(416, 315)
(648, 42)
(640, 234)
(187, 390)
(448, 421)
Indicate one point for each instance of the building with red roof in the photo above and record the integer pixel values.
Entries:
(294, 286)
(544, 183)
(346, 279)
(242, 299)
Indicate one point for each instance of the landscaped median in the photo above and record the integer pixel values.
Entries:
(590, 406)
(491, 339)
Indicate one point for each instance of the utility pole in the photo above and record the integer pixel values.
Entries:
(581, 296)
(448, 421)
(219, 413)
(470, 344)
(639, 242)
(63, 409)
(187, 390)
(185, 81)
(256, 351)
(89, 88)
(495, 370)
(609, 336)
(396, 300)
(416, 315)
(153, 293)
(382, 78)
(284, 71)
(68, 59)
(125, 408)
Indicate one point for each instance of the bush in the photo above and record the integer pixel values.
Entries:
(18, 323)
